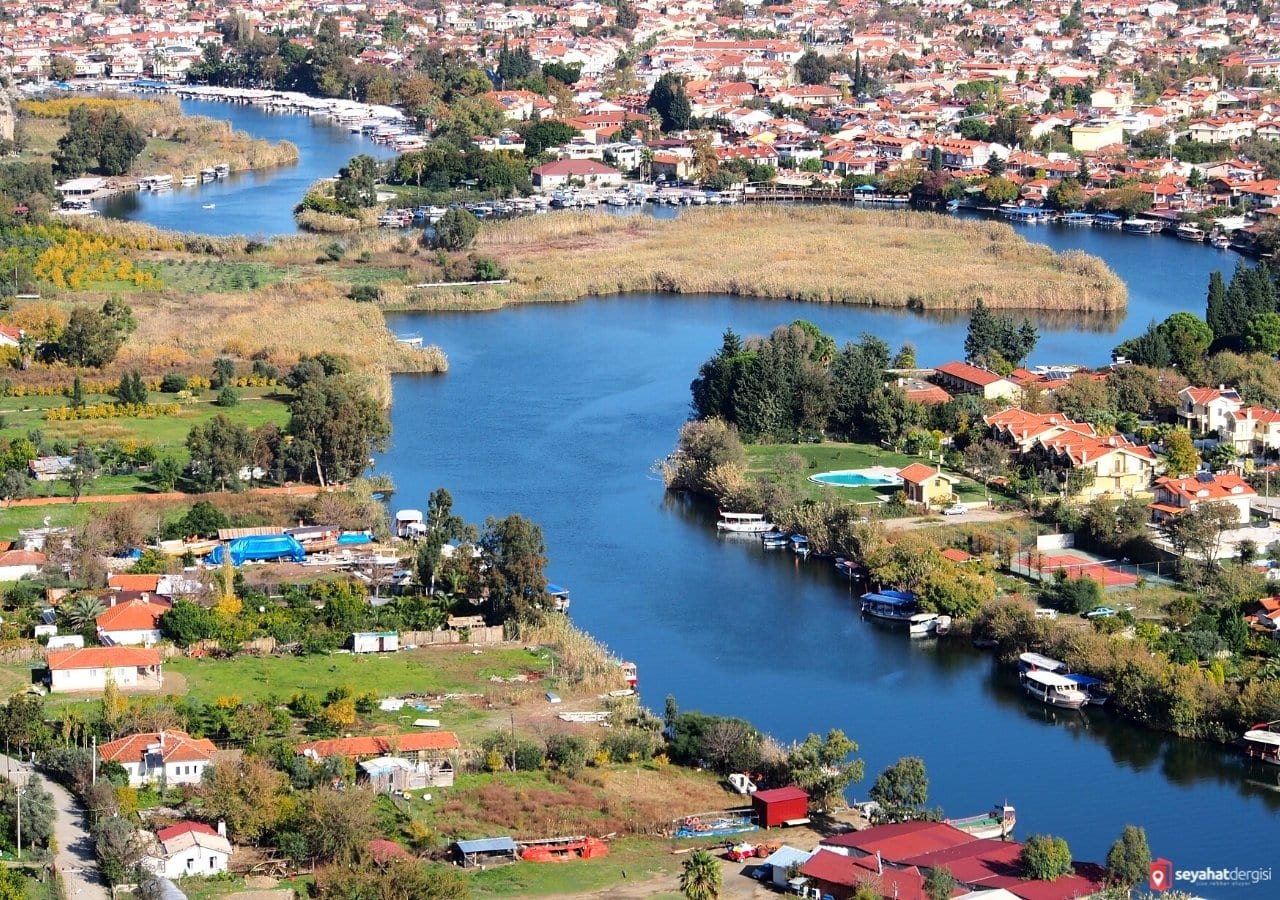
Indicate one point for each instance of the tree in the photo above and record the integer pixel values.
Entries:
(120, 849)
(336, 425)
(940, 884)
(999, 190)
(1198, 531)
(1220, 319)
(902, 790)
(1129, 859)
(705, 161)
(100, 140)
(219, 450)
(85, 466)
(813, 68)
(1263, 332)
(1181, 457)
(355, 185)
(335, 824)
(442, 526)
(700, 877)
(1188, 338)
(185, 623)
(80, 611)
(671, 102)
(544, 134)
(515, 578)
(93, 337)
(456, 230)
(992, 338)
(1067, 195)
(821, 766)
(1045, 858)
(38, 811)
(245, 794)
(224, 372)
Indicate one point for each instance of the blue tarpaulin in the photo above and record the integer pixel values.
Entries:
(259, 547)
(355, 537)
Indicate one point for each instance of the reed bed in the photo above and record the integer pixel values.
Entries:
(821, 254)
(580, 658)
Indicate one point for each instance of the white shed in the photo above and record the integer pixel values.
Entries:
(375, 642)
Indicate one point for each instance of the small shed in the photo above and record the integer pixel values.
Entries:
(780, 806)
(782, 859)
(375, 641)
(486, 851)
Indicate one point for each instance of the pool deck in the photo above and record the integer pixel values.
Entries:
(887, 475)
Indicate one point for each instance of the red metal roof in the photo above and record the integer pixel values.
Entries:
(103, 658)
(902, 840)
(779, 795)
(173, 831)
(378, 745)
(972, 374)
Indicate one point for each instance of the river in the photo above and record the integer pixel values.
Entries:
(558, 411)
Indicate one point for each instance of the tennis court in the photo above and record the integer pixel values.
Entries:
(1110, 573)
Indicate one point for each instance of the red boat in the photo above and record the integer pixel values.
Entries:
(629, 673)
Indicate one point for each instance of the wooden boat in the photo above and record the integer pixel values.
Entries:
(800, 545)
(1054, 690)
(892, 606)
(559, 597)
(774, 540)
(1075, 218)
(998, 823)
(630, 673)
(1221, 241)
(1189, 232)
(1107, 220)
(744, 523)
(1262, 742)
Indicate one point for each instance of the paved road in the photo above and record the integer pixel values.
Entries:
(75, 857)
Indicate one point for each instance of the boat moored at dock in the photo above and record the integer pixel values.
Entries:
(998, 823)
(922, 625)
(1262, 742)
(1053, 689)
(1034, 662)
(744, 523)
(892, 606)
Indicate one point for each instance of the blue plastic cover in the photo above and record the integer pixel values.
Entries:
(259, 547)
(355, 537)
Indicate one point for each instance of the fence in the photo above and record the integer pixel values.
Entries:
(1110, 573)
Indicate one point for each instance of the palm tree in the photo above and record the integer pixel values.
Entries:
(701, 878)
(82, 611)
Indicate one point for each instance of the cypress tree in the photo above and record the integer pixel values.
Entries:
(1215, 312)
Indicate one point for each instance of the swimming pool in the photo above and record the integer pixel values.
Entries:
(858, 478)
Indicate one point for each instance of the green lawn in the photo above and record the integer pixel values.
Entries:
(168, 434)
(640, 858)
(65, 514)
(826, 457)
(218, 276)
(430, 670)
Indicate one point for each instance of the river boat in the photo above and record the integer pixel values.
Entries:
(775, 540)
(800, 546)
(1075, 218)
(617, 200)
(998, 823)
(156, 182)
(1034, 662)
(189, 180)
(1054, 690)
(630, 673)
(744, 523)
(559, 597)
(1140, 226)
(1221, 241)
(847, 567)
(892, 606)
(1189, 232)
(221, 170)
(208, 206)
(922, 625)
(1107, 220)
(207, 175)
(1262, 742)
(1094, 688)
(943, 626)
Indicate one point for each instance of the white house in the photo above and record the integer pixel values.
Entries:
(375, 642)
(171, 756)
(16, 564)
(1175, 496)
(131, 624)
(1207, 410)
(586, 172)
(90, 668)
(188, 849)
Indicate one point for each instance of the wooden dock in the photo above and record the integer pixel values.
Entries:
(823, 195)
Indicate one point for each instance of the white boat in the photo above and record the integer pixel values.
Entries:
(189, 180)
(1140, 226)
(616, 200)
(208, 206)
(1034, 662)
(207, 175)
(943, 626)
(1263, 742)
(744, 523)
(408, 524)
(1054, 690)
(1221, 241)
(1190, 232)
(222, 170)
(995, 824)
(922, 625)
(156, 182)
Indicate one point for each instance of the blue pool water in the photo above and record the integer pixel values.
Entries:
(853, 478)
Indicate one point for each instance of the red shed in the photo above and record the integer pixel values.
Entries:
(780, 806)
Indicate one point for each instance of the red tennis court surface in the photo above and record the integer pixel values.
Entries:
(1107, 573)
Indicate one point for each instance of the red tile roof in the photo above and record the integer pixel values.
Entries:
(22, 558)
(175, 746)
(918, 473)
(378, 745)
(972, 374)
(136, 615)
(1222, 487)
(126, 582)
(103, 658)
(956, 555)
(173, 831)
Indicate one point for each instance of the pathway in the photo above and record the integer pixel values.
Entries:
(75, 859)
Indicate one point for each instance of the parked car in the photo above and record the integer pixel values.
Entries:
(955, 509)
(1102, 612)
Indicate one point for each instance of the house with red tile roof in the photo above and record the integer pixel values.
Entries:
(1252, 429)
(1206, 410)
(90, 668)
(926, 485)
(1118, 466)
(587, 172)
(188, 850)
(169, 756)
(420, 744)
(16, 564)
(1023, 429)
(133, 623)
(963, 378)
(1174, 496)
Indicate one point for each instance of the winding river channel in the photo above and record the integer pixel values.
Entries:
(558, 411)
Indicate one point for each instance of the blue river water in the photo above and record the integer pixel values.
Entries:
(558, 412)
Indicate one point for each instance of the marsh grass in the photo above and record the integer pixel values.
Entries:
(822, 254)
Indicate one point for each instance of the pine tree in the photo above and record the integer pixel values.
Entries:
(1216, 307)
(982, 332)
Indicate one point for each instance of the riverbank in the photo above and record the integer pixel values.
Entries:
(177, 144)
(821, 254)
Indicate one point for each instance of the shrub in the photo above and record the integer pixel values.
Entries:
(568, 752)
(227, 397)
(173, 383)
(365, 293)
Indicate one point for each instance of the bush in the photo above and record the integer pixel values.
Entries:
(365, 293)
(227, 397)
(568, 752)
(173, 383)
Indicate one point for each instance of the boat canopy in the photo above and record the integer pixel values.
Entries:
(1051, 680)
(1046, 663)
(924, 617)
(1083, 681)
(1108, 217)
(259, 547)
(1263, 737)
(556, 590)
(742, 517)
(890, 598)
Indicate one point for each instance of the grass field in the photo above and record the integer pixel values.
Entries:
(439, 670)
(630, 859)
(168, 434)
(833, 456)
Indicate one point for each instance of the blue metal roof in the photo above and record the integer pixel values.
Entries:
(1082, 680)
(890, 598)
(488, 845)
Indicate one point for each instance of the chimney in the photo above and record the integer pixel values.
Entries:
(162, 739)
(222, 828)
(879, 864)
